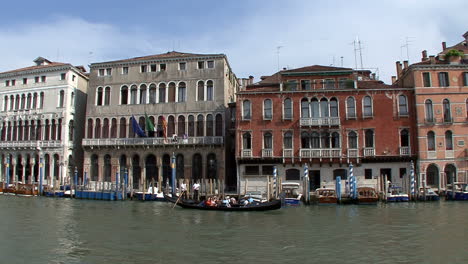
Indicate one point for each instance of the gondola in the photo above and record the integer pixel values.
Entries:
(276, 204)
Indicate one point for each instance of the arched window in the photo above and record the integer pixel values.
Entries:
(28, 105)
(170, 126)
(293, 175)
(34, 103)
(94, 167)
(450, 173)
(209, 90)
(5, 103)
(287, 104)
(181, 126)
(53, 130)
(123, 127)
(152, 94)
(162, 93)
(287, 140)
(71, 129)
(335, 143)
(219, 125)
(136, 170)
(211, 166)
(404, 138)
(350, 107)
(59, 129)
(325, 140)
(369, 140)
(107, 168)
(99, 96)
(133, 94)
(200, 91)
(97, 129)
(61, 98)
(315, 140)
(20, 131)
(305, 111)
(448, 140)
(352, 140)
(23, 101)
(200, 126)
(124, 95)
(305, 140)
(107, 95)
(333, 107)
(267, 141)
(324, 111)
(191, 126)
(171, 92)
(90, 128)
(367, 103)
(447, 111)
(12, 102)
(246, 110)
(429, 111)
(402, 105)
(430, 141)
(181, 92)
(105, 128)
(432, 175)
(113, 133)
(267, 109)
(246, 141)
(41, 100)
(197, 167)
(180, 168)
(209, 125)
(143, 94)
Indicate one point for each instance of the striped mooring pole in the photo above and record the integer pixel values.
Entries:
(412, 182)
(275, 175)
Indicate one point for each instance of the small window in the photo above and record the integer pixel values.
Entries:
(210, 64)
(143, 68)
(352, 140)
(267, 109)
(73, 77)
(291, 85)
(427, 79)
(101, 72)
(7, 83)
(448, 140)
(430, 141)
(152, 67)
(182, 66)
(367, 106)
(287, 108)
(36, 79)
(252, 170)
(465, 79)
(368, 174)
(350, 108)
(287, 140)
(201, 65)
(305, 85)
(443, 79)
(293, 175)
(13, 82)
(43, 79)
(162, 67)
(402, 105)
(402, 172)
(267, 170)
(329, 83)
(63, 76)
(109, 71)
(25, 80)
(124, 70)
(246, 113)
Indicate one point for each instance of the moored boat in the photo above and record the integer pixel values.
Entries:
(326, 196)
(367, 195)
(291, 193)
(428, 195)
(273, 205)
(457, 191)
(395, 194)
(27, 190)
(152, 194)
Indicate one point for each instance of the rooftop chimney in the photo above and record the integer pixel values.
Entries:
(405, 64)
(373, 76)
(432, 58)
(398, 68)
(251, 79)
(393, 79)
(424, 55)
(444, 46)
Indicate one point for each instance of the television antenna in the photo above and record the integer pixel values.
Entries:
(406, 45)
(278, 56)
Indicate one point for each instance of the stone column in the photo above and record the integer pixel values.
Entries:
(13, 164)
(31, 170)
(114, 168)
(143, 173)
(23, 171)
(130, 173)
(100, 168)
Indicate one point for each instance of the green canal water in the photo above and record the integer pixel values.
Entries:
(47, 230)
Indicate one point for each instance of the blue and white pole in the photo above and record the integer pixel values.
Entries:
(41, 164)
(173, 166)
(306, 182)
(353, 186)
(412, 181)
(338, 188)
(125, 182)
(275, 175)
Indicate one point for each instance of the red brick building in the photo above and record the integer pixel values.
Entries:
(326, 117)
(440, 83)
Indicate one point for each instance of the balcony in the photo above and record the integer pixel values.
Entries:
(449, 154)
(288, 153)
(323, 121)
(369, 152)
(107, 142)
(405, 151)
(353, 153)
(320, 153)
(432, 154)
(267, 153)
(246, 153)
(32, 144)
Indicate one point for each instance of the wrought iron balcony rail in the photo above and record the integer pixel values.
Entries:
(153, 141)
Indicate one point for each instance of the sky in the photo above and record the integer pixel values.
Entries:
(258, 37)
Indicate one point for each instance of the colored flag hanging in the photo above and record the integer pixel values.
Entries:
(136, 128)
(164, 128)
(149, 126)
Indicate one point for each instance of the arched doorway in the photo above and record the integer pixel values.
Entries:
(166, 163)
(94, 168)
(19, 169)
(151, 170)
(136, 171)
(56, 166)
(450, 173)
(107, 168)
(197, 167)
(180, 166)
(432, 175)
(123, 166)
(211, 166)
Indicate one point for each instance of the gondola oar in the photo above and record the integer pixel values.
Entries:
(178, 199)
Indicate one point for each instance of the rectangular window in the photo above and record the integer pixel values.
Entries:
(43, 79)
(63, 76)
(402, 172)
(143, 68)
(25, 80)
(465, 79)
(101, 72)
(252, 170)
(210, 64)
(182, 66)
(443, 79)
(368, 174)
(267, 170)
(305, 85)
(36, 79)
(152, 67)
(291, 85)
(109, 71)
(7, 83)
(201, 65)
(329, 84)
(162, 67)
(344, 83)
(427, 79)
(125, 70)
(13, 82)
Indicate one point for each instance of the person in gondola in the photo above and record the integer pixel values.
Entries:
(183, 190)
(195, 188)
(225, 202)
